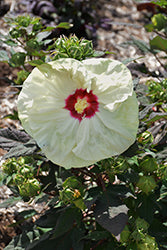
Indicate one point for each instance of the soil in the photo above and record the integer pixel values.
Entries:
(125, 22)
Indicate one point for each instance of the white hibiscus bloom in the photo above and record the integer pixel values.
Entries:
(80, 112)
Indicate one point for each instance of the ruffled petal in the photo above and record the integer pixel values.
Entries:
(112, 81)
(56, 136)
(108, 133)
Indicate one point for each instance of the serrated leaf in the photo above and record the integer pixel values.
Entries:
(110, 212)
(22, 149)
(66, 221)
(22, 241)
(64, 25)
(10, 202)
(159, 21)
(28, 213)
(128, 60)
(159, 43)
(143, 46)
(17, 142)
(11, 137)
(146, 184)
(35, 62)
(4, 56)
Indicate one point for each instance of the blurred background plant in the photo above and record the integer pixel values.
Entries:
(31, 38)
(80, 13)
(157, 24)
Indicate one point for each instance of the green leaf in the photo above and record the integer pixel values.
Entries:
(22, 241)
(35, 62)
(28, 213)
(10, 202)
(4, 56)
(18, 143)
(146, 184)
(66, 221)
(149, 164)
(128, 60)
(110, 212)
(9, 138)
(17, 59)
(158, 43)
(147, 206)
(13, 116)
(27, 148)
(159, 21)
(49, 219)
(161, 3)
(97, 235)
(143, 46)
(64, 25)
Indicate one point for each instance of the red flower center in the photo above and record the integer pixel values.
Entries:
(82, 104)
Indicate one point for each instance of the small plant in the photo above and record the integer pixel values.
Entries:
(157, 44)
(21, 174)
(157, 91)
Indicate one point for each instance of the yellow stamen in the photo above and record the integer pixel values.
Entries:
(80, 105)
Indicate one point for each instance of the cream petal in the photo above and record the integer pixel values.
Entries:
(56, 137)
(124, 120)
(112, 81)
(93, 140)
(108, 133)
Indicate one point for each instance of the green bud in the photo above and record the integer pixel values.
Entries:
(25, 160)
(66, 195)
(148, 243)
(141, 224)
(74, 47)
(73, 183)
(37, 26)
(87, 47)
(10, 166)
(16, 33)
(29, 188)
(159, 21)
(23, 20)
(17, 59)
(18, 179)
(21, 77)
(75, 52)
(33, 44)
(146, 138)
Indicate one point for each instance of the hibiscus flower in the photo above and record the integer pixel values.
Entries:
(80, 112)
